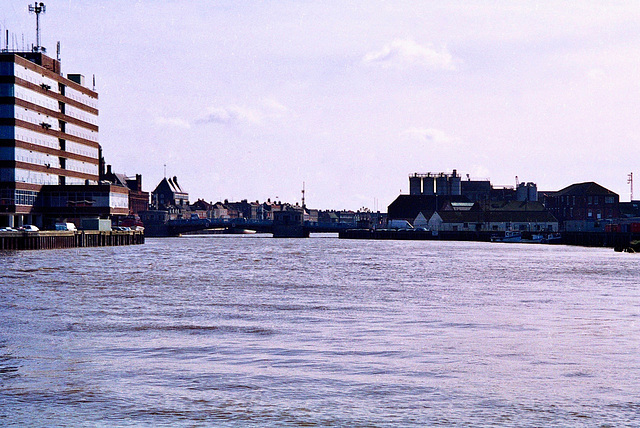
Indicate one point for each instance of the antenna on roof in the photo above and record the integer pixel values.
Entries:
(38, 8)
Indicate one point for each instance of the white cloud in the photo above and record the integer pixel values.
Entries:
(174, 122)
(231, 114)
(273, 106)
(405, 52)
(430, 135)
(267, 110)
(596, 74)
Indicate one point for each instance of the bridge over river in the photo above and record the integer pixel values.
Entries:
(181, 226)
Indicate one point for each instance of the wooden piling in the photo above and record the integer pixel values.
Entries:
(48, 240)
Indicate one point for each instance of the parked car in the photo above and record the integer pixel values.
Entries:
(8, 229)
(66, 226)
(121, 228)
(29, 228)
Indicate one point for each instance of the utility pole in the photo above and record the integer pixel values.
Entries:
(38, 8)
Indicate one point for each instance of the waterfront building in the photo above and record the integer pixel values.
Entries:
(138, 198)
(407, 207)
(476, 190)
(202, 209)
(48, 133)
(169, 194)
(497, 216)
(431, 192)
(583, 207)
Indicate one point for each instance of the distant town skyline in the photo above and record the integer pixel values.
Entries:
(248, 100)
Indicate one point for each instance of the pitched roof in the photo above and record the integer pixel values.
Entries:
(169, 184)
(589, 188)
(409, 206)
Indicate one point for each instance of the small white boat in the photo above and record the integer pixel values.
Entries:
(509, 236)
(535, 239)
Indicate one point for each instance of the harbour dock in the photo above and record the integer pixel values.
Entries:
(48, 240)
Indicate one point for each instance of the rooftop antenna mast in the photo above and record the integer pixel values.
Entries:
(38, 8)
(630, 182)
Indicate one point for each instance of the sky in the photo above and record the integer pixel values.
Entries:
(251, 99)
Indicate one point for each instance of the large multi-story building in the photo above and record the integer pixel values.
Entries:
(583, 207)
(48, 133)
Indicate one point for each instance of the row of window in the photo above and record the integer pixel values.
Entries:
(36, 78)
(36, 98)
(48, 122)
(36, 158)
(87, 199)
(50, 84)
(17, 197)
(81, 149)
(81, 97)
(80, 115)
(29, 136)
(591, 200)
(537, 227)
(44, 140)
(49, 161)
(41, 100)
(20, 175)
(64, 199)
(79, 166)
(81, 132)
(34, 177)
(591, 213)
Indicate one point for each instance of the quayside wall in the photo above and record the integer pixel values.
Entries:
(616, 240)
(411, 235)
(48, 240)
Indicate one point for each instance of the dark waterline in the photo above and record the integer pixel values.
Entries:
(250, 330)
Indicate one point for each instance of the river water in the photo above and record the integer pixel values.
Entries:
(254, 331)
